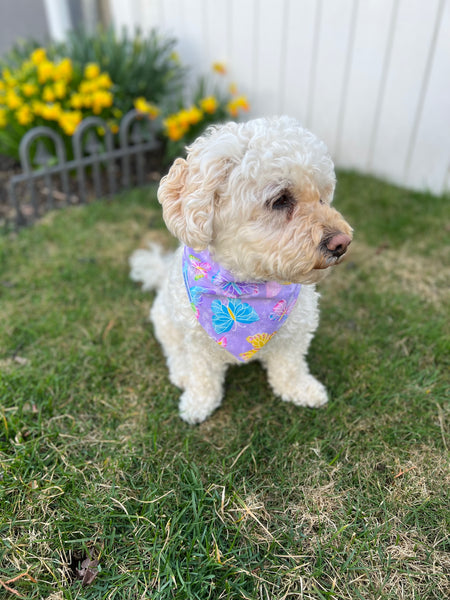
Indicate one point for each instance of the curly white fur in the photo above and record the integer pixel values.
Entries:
(258, 196)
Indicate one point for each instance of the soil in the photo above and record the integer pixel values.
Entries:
(8, 168)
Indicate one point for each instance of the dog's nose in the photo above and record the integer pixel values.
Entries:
(338, 244)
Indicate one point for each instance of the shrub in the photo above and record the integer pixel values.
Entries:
(140, 66)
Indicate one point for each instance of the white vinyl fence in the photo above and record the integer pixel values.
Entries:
(371, 77)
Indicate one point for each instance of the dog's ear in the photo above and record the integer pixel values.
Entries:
(170, 196)
(188, 194)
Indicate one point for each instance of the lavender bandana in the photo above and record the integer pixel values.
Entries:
(241, 317)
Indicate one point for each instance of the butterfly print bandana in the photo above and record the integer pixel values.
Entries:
(240, 316)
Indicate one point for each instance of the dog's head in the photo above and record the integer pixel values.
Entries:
(258, 195)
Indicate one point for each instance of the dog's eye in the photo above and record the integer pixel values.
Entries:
(283, 202)
(321, 201)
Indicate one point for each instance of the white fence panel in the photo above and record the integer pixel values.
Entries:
(301, 35)
(330, 68)
(371, 77)
(429, 160)
(374, 24)
(242, 44)
(408, 62)
(269, 56)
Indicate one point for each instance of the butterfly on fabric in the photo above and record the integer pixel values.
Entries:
(281, 310)
(226, 316)
(257, 341)
(234, 289)
(196, 294)
(198, 267)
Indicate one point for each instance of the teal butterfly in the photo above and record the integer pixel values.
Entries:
(225, 316)
(196, 294)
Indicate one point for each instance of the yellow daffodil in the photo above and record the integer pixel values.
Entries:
(174, 132)
(141, 105)
(173, 128)
(184, 118)
(24, 115)
(29, 89)
(63, 70)
(91, 71)
(60, 89)
(104, 81)
(88, 101)
(45, 71)
(38, 56)
(209, 104)
(194, 115)
(219, 67)
(2, 118)
(237, 104)
(37, 107)
(100, 100)
(76, 100)
(69, 121)
(48, 94)
(51, 112)
(13, 101)
(86, 87)
(233, 89)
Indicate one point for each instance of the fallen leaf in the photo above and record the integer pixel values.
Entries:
(88, 571)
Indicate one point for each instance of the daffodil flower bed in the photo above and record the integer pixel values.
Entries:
(56, 94)
(60, 93)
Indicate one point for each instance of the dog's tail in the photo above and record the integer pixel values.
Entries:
(150, 267)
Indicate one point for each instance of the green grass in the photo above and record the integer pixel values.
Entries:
(263, 501)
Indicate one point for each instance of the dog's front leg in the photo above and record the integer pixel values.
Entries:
(203, 389)
(289, 375)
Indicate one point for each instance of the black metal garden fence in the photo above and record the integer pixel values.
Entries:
(102, 164)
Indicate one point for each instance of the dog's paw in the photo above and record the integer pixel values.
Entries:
(194, 409)
(305, 392)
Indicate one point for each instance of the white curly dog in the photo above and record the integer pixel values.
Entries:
(251, 207)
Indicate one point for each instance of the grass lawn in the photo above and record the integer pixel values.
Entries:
(265, 500)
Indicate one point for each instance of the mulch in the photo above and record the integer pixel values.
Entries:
(10, 167)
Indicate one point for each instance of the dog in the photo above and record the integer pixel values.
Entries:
(250, 205)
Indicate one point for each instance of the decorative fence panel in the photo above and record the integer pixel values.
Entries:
(98, 168)
(371, 77)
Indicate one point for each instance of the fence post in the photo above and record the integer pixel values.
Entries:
(133, 121)
(43, 158)
(93, 146)
(136, 137)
